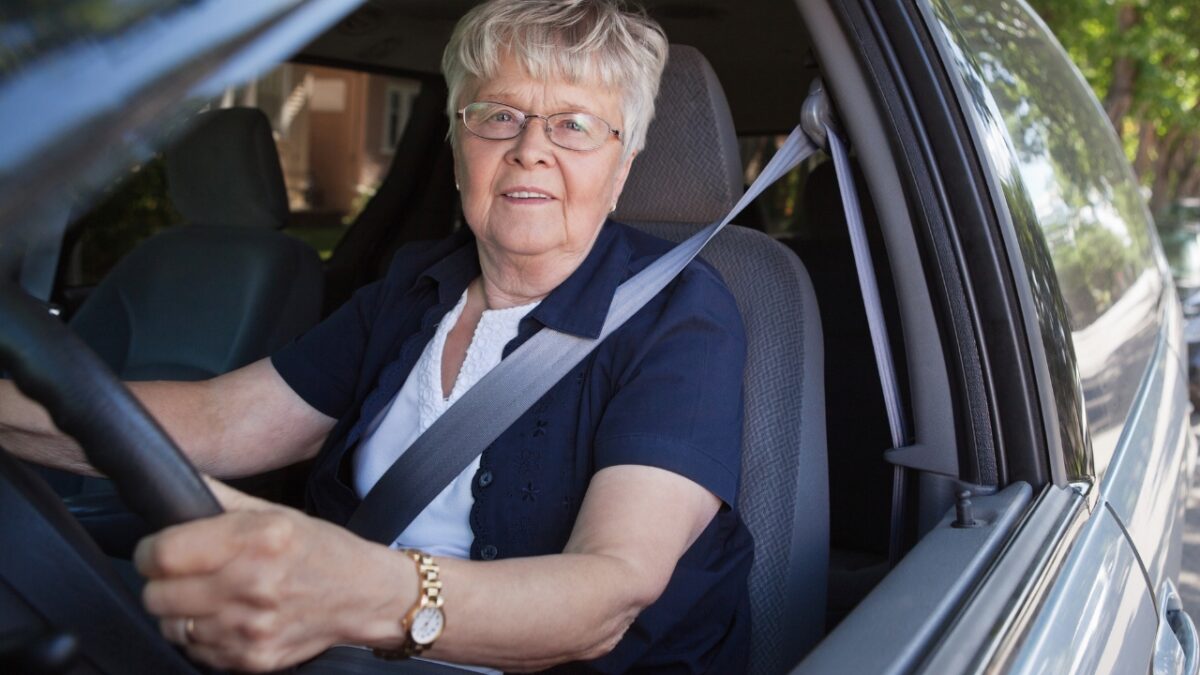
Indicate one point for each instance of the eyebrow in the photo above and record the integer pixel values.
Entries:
(506, 96)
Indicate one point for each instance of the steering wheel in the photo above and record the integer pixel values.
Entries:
(58, 594)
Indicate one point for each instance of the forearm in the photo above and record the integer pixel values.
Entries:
(523, 614)
(235, 425)
(27, 430)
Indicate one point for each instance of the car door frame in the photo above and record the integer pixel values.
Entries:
(1083, 599)
(968, 237)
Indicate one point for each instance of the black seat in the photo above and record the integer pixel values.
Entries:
(416, 200)
(688, 176)
(224, 289)
(219, 292)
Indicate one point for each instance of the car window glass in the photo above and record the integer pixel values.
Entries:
(336, 131)
(1080, 193)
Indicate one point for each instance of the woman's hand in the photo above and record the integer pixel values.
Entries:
(263, 586)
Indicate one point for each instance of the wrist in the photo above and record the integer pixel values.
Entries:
(424, 622)
(388, 581)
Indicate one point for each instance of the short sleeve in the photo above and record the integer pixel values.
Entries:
(678, 402)
(322, 366)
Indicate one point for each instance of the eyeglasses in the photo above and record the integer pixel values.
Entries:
(571, 130)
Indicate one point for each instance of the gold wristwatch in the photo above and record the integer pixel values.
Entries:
(425, 622)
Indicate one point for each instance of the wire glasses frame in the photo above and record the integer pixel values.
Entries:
(571, 130)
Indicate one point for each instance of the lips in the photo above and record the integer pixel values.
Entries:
(526, 192)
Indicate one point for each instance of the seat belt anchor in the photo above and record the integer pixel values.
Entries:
(816, 114)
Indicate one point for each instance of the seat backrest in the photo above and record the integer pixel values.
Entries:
(688, 176)
(417, 199)
(226, 288)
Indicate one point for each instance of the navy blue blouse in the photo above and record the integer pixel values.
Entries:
(664, 390)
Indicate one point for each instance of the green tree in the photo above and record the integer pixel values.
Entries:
(1142, 57)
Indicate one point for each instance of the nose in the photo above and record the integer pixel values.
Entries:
(532, 147)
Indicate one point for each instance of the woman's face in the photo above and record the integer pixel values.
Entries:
(576, 190)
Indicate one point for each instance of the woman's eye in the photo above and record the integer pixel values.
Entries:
(503, 117)
(574, 125)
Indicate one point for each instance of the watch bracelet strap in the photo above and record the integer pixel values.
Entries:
(429, 592)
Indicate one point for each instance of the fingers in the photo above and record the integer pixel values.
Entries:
(205, 546)
(198, 547)
(179, 630)
(239, 640)
(189, 596)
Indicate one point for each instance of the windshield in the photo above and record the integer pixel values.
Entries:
(94, 87)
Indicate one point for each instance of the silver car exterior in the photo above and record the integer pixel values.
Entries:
(1100, 599)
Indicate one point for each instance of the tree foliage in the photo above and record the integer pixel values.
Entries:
(1142, 57)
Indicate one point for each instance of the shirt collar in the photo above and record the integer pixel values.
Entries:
(579, 305)
(453, 272)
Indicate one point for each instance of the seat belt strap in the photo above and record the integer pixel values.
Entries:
(499, 398)
(876, 324)
(884, 361)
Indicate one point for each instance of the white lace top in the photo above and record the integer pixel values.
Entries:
(443, 528)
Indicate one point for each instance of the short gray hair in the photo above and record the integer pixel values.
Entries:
(589, 41)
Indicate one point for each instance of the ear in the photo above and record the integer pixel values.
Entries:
(456, 161)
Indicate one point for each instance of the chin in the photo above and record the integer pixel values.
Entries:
(531, 241)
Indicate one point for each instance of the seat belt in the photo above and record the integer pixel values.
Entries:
(499, 398)
(884, 361)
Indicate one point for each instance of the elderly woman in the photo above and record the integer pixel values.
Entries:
(600, 527)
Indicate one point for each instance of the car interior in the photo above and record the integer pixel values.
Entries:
(829, 513)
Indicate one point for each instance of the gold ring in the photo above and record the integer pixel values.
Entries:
(189, 628)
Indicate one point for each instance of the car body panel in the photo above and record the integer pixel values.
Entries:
(1112, 351)
(1148, 480)
(1099, 617)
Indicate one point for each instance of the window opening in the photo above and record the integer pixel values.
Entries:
(336, 131)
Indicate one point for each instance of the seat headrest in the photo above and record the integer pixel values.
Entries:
(226, 171)
(691, 169)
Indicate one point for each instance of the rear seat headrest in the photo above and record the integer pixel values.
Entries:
(226, 171)
(691, 169)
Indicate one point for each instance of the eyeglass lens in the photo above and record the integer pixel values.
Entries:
(571, 130)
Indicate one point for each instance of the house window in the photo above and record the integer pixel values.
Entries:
(397, 104)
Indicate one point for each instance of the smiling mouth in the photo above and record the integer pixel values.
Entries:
(522, 194)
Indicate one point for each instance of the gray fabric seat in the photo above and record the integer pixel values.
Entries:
(688, 176)
(224, 289)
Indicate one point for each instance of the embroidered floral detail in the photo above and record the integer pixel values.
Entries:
(529, 493)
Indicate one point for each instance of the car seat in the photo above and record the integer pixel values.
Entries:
(688, 176)
(222, 290)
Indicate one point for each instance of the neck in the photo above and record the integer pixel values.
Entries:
(510, 285)
(509, 281)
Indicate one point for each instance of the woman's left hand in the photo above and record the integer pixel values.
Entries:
(263, 586)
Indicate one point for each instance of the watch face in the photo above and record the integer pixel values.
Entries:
(427, 625)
